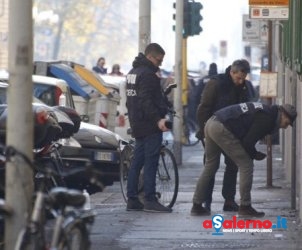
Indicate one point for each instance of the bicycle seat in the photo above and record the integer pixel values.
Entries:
(60, 196)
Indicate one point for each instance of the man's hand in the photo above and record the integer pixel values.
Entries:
(200, 134)
(259, 156)
(162, 125)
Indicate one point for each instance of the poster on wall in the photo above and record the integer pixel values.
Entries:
(268, 84)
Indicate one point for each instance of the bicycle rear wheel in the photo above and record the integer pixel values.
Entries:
(167, 179)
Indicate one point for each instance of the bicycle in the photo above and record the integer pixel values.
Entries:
(72, 223)
(167, 178)
(5, 211)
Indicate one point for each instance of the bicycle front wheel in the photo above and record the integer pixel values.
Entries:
(167, 179)
(75, 238)
(29, 241)
(126, 158)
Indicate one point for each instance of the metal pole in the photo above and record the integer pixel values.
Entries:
(144, 24)
(269, 180)
(19, 177)
(177, 123)
(184, 73)
(294, 147)
(294, 92)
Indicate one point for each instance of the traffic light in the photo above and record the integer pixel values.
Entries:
(191, 18)
(195, 18)
(187, 23)
(174, 17)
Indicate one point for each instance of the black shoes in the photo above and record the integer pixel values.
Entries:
(249, 211)
(199, 210)
(134, 205)
(156, 207)
(230, 206)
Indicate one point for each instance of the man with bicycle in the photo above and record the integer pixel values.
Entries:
(220, 91)
(147, 109)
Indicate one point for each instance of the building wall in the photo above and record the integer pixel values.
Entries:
(4, 34)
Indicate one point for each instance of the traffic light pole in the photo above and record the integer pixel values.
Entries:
(177, 123)
(144, 32)
(184, 81)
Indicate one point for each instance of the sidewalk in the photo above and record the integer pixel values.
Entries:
(274, 201)
(117, 229)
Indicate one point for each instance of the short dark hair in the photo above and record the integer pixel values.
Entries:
(101, 58)
(241, 65)
(154, 49)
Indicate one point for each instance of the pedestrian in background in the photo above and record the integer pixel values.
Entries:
(147, 110)
(100, 66)
(197, 91)
(221, 91)
(115, 71)
(235, 130)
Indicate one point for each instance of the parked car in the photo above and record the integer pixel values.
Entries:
(99, 145)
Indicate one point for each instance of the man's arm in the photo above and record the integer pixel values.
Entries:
(261, 126)
(148, 87)
(205, 108)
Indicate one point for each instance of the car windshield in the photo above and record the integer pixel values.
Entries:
(48, 94)
(3, 97)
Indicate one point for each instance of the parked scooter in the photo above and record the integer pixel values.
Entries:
(50, 125)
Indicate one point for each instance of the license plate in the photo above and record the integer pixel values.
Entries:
(103, 156)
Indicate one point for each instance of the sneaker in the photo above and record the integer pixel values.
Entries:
(199, 210)
(249, 211)
(134, 205)
(230, 206)
(156, 207)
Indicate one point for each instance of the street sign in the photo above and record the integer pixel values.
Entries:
(223, 48)
(269, 2)
(264, 12)
(253, 30)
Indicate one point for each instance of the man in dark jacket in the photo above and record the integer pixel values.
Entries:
(147, 110)
(221, 91)
(235, 130)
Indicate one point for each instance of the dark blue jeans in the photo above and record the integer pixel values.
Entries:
(146, 154)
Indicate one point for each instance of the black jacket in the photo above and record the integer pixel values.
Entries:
(250, 122)
(145, 100)
(218, 93)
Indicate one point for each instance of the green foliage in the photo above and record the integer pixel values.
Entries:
(83, 30)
